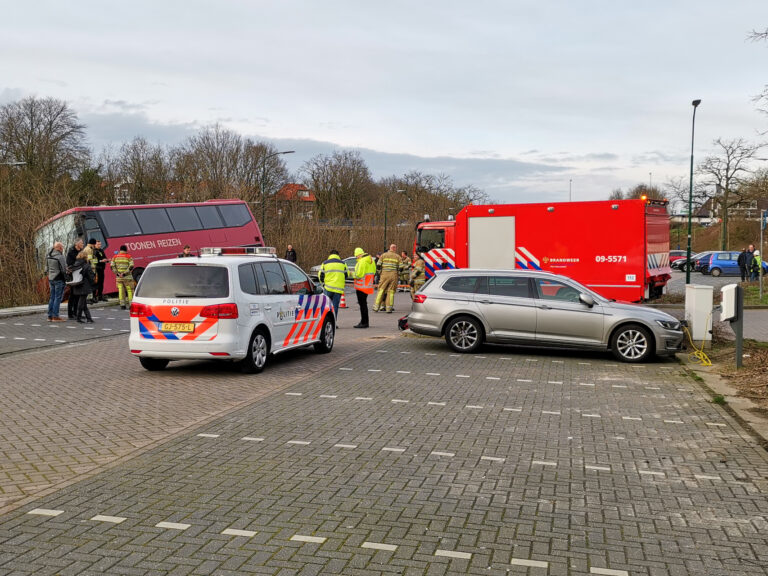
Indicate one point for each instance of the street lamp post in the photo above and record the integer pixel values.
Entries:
(262, 224)
(688, 263)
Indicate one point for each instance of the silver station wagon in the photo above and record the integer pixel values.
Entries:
(469, 307)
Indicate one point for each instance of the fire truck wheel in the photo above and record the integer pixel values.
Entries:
(258, 350)
(153, 364)
(327, 335)
(632, 343)
(464, 334)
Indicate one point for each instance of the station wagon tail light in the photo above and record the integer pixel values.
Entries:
(420, 298)
(221, 311)
(140, 310)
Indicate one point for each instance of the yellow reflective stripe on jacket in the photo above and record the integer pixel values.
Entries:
(122, 263)
(390, 262)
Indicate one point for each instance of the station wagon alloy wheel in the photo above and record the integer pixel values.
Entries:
(632, 344)
(464, 334)
(256, 359)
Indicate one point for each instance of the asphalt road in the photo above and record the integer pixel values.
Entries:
(391, 455)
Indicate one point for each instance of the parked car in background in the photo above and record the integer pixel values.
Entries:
(679, 264)
(701, 261)
(350, 262)
(726, 264)
(469, 307)
(675, 255)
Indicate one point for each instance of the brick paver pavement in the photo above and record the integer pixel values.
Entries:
(408, 459)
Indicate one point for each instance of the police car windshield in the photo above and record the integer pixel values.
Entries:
(184, 282)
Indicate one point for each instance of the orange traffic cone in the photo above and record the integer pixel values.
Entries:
(343, 303)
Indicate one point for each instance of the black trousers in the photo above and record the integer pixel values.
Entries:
(362, 300)
(98, 290)
(82, 307)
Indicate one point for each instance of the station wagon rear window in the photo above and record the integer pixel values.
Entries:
(183, 281)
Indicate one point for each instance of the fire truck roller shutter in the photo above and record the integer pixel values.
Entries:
(492, 242)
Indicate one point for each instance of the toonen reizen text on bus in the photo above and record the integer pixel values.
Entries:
(147, 244)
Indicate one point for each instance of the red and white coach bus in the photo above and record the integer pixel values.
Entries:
(151, 231)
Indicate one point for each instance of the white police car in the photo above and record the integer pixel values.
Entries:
(235, 304)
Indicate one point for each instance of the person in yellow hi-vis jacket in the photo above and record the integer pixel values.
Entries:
(122, 266)
(365, 270)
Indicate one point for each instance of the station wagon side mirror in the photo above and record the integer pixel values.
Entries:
(318, 289)
(586, 299)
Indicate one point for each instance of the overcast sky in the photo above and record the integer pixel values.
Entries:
(516, 97)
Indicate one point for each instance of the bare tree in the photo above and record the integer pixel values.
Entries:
(341, 182)
(761, 99)
(727, 172)
(46, 135)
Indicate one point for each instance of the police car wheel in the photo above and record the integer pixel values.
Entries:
(153, 364)
(632, 343)
(327, 336)
(464, 334)
(258, 350)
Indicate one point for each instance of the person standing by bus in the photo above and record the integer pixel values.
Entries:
(82, 290)
(71, 257)
(56, 266)
(99, 258)
(187, 252)
(122, 266)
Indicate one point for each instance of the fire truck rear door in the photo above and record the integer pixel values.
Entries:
(492, 242)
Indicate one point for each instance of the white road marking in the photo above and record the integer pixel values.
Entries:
(172, 525)
(252, 439)
(435, 403)
(430, 354)
(619, 438)
(294, 393)
(363, 398)
(705, 477)
(403, 372)
(531, 563)
(473, 407)
(446, 454)
(18, 324)
(110, 519)
(593, 467)
(39, 339)
(492, 458)
(524, 380)
(312, 539)
(454, 355)
(404, 352)
(543, 463)
(299, 442)
(393, 449)
(513, 410)
(453, 554)
(652, 388)
(61, 341)
(379, 546)
(481, 357)
(235, 532)
(90, 328)
(586, 384)
(328, 396)
(492, 378)
(617, 386)
(555, 382)
(433, 374)
(208, 435)
(17, 338)
(557, 361)
(38, 325)
(462, 376)
(608, 572)
(373, 370)
(630, 418)
(124, 330)
(345, 368)
(585, 364)
(107, 329)
(591, 415)
(531, 360)
(553, 412)
(651, 473)
(673, 421)
(382, 351)
(715, 424)
(45, 512)
(398, 401)
(349, 446)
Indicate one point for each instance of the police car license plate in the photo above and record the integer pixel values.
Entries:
(177, 327)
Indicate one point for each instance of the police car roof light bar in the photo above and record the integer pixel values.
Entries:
(239, 251)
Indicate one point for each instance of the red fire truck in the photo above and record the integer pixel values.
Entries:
(618, 248)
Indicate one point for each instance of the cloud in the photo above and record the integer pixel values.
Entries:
(114, 128)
